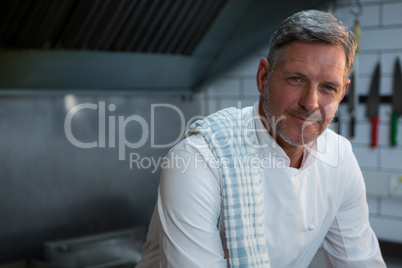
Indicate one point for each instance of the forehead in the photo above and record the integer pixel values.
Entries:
(315, 57)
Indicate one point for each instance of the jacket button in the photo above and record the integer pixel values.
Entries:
(311, 227)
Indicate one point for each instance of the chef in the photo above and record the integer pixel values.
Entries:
(268, 184)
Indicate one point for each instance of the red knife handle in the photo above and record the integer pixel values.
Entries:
(394, 128)
(374, 131)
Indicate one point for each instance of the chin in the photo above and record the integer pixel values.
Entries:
(300, 139)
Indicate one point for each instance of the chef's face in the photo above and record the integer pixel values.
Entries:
(303, 91)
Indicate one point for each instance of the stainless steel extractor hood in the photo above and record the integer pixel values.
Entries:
(131, 44)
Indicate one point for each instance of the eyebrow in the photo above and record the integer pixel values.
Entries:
(331, 83)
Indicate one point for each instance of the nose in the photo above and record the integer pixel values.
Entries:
(309, 99)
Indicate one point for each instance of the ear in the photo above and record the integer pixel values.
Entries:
(346, 88)
(262, 75)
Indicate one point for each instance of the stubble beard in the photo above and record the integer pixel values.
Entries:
(277, 124)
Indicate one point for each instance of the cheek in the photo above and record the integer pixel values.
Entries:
(328, 110)
(283, 98)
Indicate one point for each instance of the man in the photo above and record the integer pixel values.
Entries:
(265, 186)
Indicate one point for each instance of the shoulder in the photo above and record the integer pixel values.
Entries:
(191, 158)
(223, 119)
(342, 167)
(334, 149)
(189, 180)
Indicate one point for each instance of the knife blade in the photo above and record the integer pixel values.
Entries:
(396, 101)
(353, 99)
(373, 103)
(352, 106)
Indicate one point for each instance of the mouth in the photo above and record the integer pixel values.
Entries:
(308, 120)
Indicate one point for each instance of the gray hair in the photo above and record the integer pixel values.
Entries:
(315, 27)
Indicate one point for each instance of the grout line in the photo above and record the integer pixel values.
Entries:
(373, 3)
(383, 51)
(381, 17)
(387, 217)
(242, 87)
(378, 154)
(379, 206)
(382, 27)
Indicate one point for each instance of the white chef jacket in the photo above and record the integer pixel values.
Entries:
(323, 202)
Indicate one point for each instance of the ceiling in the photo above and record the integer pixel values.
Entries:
(158, 26)
(132, 44)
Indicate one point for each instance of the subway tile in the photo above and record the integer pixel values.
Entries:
(363, 134)
(372, 203)
(372, 1)
(387, 229)
(344, 130)
(343, 110)
(391, 157)
(226, 86)
(399, 133)
(250, 88)
(385, 113)
(363, 126)
(343, 14)
(369, 17)
(388, 61)
(365, 84)
(377, 183)
(238, 103)
(361, 112)
(381, 39)
(249, 66)
(366, 156)
(391, 207)
(245, 102)
(392, 14)
(367, 63)
(386, 85)
(212, 105)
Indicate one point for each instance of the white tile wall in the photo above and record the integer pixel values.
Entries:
(249, 66)
(369, 17)
(391, 207)
(388, 61)
(366, 156)
(367, 63)
(236, 103)
(381, 23)
(250, 87)
(372, 203)
(391, 158)
(379, 39)
(226, 86)
(387, 228)
(392, 14)
(213, 105)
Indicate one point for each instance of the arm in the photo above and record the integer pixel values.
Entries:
(189, 206)
(350, 241)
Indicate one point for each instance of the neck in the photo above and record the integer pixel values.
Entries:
(295, 153)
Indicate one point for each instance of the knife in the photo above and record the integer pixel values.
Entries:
(373, 102)
(353, 99)
(396, 101)
(352, 106)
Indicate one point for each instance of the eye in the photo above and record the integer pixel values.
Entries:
(330, 88)
(294, 80)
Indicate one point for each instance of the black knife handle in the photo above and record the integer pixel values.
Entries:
(352, 123)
